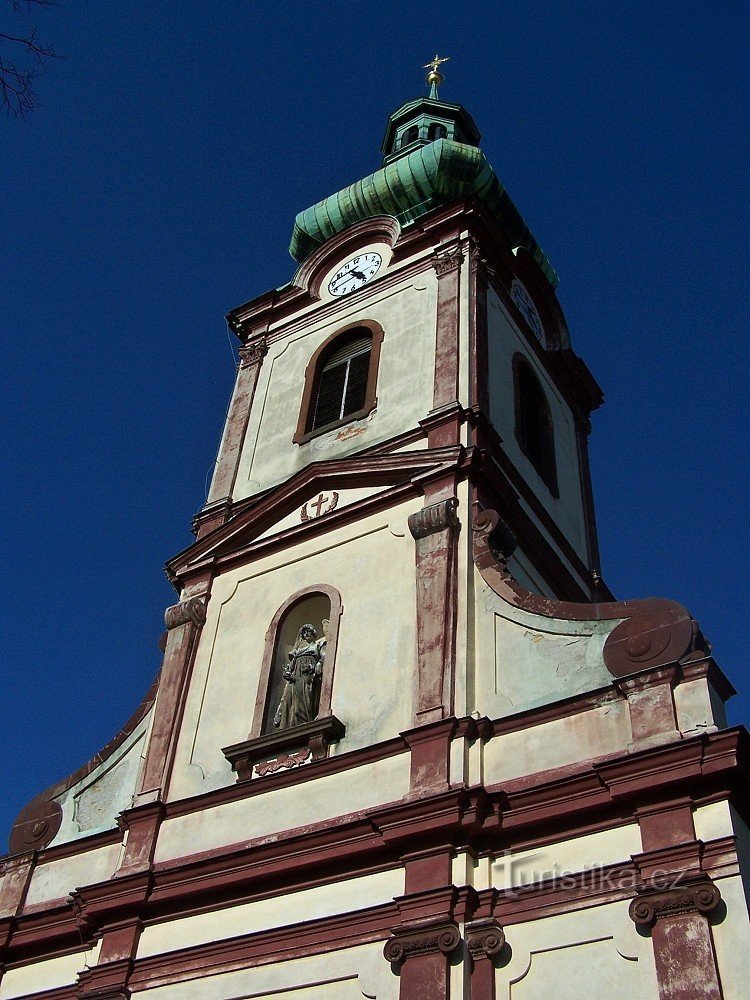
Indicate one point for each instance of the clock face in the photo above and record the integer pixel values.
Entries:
(355, 273)
(527, 308)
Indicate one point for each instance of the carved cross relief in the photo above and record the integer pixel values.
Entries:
(324, 504)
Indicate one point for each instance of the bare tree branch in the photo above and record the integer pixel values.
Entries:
(23, 58)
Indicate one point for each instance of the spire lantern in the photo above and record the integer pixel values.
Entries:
(427, 119)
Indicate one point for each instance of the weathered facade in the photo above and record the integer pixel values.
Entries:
(404, 743)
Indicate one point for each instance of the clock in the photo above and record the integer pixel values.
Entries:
(355, 273)
(527, 308)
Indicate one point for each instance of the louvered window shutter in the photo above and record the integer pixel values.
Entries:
(342, 386)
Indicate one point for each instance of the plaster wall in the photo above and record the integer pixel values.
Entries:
(504, 341)
(524, 660)
(265, 815)
(406, 312)
(346, 974)
(598, 950)
(375, 653)
(548, 861)
(30, 979)
(566, 857)
(731, 932)
(713, 821)
(578, 737)
(697, 711)
(276, 911)
(56, 879)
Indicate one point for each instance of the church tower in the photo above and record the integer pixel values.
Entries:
(404, 742)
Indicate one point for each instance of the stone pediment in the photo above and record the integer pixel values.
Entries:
(318, 497)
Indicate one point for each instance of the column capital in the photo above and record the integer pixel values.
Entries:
(421, 939)
(700, 896)
(437, 517)
(193, 610)
(484, 938)
(252, 352)
(448, 260)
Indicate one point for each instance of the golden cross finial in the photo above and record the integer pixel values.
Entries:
(434, 77)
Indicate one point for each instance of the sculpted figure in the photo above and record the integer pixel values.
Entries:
(302, 673)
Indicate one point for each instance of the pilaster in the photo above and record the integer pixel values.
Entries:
(225, 475)
(484, 940)
(677, 917)
(184, 622)
(435, 531)
(447, 264)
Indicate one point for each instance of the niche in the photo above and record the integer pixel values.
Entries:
(292, 718)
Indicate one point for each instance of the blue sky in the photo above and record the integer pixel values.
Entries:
(156, 188)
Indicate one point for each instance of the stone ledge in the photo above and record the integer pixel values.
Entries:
(292, 747)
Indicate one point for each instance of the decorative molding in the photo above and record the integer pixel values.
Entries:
(252, 352)
(650, 905)
(499, 540)
(237, 540)
(38, 823)
(448, 260)
(283, 762)
(411, 939)
(437, 517)
(554, 806)
(212, 515)
(329, 503)
(102, 992)
(312, 739)
(484, 938)
(193, 610)
(481, 263)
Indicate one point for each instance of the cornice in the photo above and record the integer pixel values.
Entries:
(518, 814)
(236, 538)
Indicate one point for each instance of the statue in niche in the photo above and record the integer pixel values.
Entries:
(302, 674)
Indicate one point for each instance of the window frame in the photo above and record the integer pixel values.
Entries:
(545, 466)
(312, 381)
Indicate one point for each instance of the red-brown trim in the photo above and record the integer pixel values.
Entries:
(512, 816)
(447, 263)
(184, 622)
(256, 729)
(435, 532)
(227, 464)
(256, 514)
(312, 378)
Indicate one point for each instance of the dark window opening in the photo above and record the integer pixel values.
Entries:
(410, 135)
(534, 428)
(342, 386)
(436, 131)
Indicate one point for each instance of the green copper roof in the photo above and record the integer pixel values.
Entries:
(409, 187)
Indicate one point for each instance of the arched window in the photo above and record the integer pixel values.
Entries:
(340, 381)
(534, 428)
(410, 135)
(436, 131)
